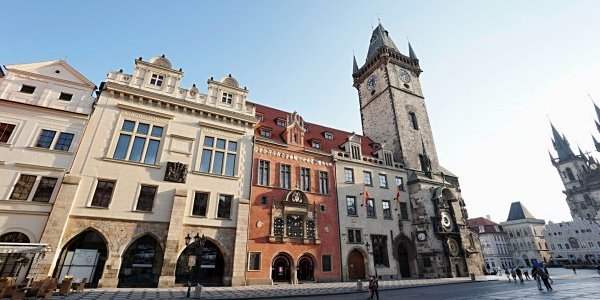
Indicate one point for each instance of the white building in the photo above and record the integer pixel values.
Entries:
(576, 242)
(495, 246)
(526, 236)
(158, 166)
(44, 108)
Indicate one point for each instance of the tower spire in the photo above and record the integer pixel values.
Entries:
(354, 65)
(596, 144)
(561, 144)
(411, 52)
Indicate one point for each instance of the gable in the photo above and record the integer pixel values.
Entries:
(56, 69)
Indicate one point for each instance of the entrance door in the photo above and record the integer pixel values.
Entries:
(281, 269)
(403, 261)
(83, 258)
(141, 265)
(356, 265)
(204, 265)
(306, 269)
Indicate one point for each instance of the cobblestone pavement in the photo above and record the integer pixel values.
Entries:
(249, 292)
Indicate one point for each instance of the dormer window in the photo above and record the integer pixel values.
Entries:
(157, 80)
(65, 96)
(265, 132)
(316, 144)
(355, 151)
(227, 98)
(328, 135)
(27, 89)
(280, 122)
(260, 117)
(387, 156)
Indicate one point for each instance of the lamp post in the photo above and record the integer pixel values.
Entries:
(373, 256)
(197, 251)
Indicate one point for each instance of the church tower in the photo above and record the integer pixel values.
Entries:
(392, 105)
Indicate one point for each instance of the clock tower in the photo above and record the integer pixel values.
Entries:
(392, 106)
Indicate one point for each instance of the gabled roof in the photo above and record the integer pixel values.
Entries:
(489, 226)
(57, 69)
(314, 132)
(518, 212)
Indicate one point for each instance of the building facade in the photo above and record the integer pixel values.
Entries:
(495, 245)
(293, 228)
(580, 174)
(574, 243)
(526, 236)
(159, 166)
(44, 108)
(393, 113)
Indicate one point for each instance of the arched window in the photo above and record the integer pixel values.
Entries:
(413, 120)
(570, 174)
(14, 237)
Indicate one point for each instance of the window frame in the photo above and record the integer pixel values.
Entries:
(383, 176)
(133, 135)
(38, 184)
(30, 189)
(352, 178)
(285, 176)
(68, 96)
(388, 215)
(354, 206)
(373, 208)
(356, 232)
(226, 152)
(367, 174)
(259, 261)
(414, 122)
(136, 206)
(230, 209)
(401, 185)
(263, 166)
(265, 132)
(157, 79)
(227, 98)
(206, 208)
(95, 188)
(305, 182)
(26, 87)
(330, 265)
(4, 126)
(323, 182)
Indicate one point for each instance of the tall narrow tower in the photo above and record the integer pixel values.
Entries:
(392, 106)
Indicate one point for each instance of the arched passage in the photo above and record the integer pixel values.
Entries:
(306, 268)
(356, 265)
(12, 263)
(141, 265)
(83, 257)
(281, 268)
(205, 265)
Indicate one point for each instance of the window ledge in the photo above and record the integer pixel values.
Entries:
(215, 175)
(127, 162)
(96, 207)
(5, 144)
(253, 270)
(142, 211)
(352, 216)
(388, 218)
(28, 202)
(223, 219)
(198, 217)
(50, 150)
(371, 217)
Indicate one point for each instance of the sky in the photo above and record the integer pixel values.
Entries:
(495, 72)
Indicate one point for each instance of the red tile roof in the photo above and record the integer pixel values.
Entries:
(488, 225)
(314, 131)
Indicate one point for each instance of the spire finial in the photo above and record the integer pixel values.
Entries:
(354, 65)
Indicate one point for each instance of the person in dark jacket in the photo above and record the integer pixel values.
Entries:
(519, 274)
(526, 273)
(545, 279)
(373, 288)
(508, 274)
(513, 274)
(537, 277)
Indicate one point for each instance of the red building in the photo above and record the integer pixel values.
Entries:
(293, 232)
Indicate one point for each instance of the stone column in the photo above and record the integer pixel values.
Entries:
(167, 274)
(57, 222)
(110, 276)
(238, 276)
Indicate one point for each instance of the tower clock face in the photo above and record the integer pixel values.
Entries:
(404, 76)
(446, 220)
(371, 82)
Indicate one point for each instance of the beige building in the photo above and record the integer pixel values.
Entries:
(525, 236)
(44, 108)
(159, 167)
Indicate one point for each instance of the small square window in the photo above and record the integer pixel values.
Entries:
(322, 206)
(157, 80)
(280, 122)
(328, 135)
(260, 117)
(227, 98)
(263, 200)
(316, 144)
(254, 261)
(27, 89)
(65, 96)
(266, 133)
(46, 138)
(64, 141)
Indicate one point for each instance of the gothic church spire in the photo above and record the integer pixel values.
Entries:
(561, 144)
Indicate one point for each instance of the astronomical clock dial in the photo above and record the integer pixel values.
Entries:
(453, 247)
(371, 82)
(446, 220)
(404, 76)
(421, 236)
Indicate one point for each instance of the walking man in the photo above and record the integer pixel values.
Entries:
(373, 288)
(526, 273)
(513, 274)
(537, 277)
(519, 274)
(546, 279)
(508, 274)
(574, 271)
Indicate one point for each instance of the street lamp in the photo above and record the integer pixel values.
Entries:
(372, 255)
(197, 251)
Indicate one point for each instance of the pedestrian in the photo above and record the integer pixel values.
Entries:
(546, 280)
(513, 274)
(574, 271)
(508, 274)
(519, 274)
(536, 276)
(526, 273)
(373, 287)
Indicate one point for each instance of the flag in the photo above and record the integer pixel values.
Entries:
(398, 195)
(365, 196)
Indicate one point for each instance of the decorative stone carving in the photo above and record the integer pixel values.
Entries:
(259, 224)
(176, 172)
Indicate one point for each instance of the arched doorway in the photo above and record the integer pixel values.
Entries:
(306, 268)
(11, 264)
(83, 257)
(141, 264)
(356, 265)
(403, 261)
(205, 266)
(281, 269)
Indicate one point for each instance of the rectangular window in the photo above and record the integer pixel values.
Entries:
(387, 211)
(413, 120)
(348, 175)
(146, 198)
(27, 89)
(284, 176)
(367, 178)
(200, 204)
(44, 191)
(6, 131)
(326, 259)
(227, 98)
(45, 139)
(280, 122)
(400, 183)
(354, 236)
(380, 250)
(254, 261)
(355, 151)
(65, 96)
(264, 132)
(263, 172)
(351, 205)
(219, 156)
(305, 179)
(323, 183)
(23, 187)
(371, 208)
(103, 193)
(64, 141)
(224, 206)
(328, 135)
(389, 161)
(403, 211)
(157, 79)
(383, 181)
(146, 142)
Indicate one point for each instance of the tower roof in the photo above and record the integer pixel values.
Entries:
(518, 212)
(380, 39)
(411, 52)
(354, 65)
(561, 144)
